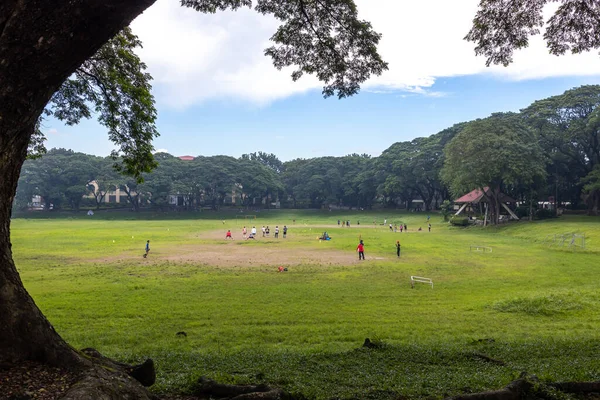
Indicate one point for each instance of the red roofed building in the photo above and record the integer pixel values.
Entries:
(186, 158)
(480, 197)
(476, 196)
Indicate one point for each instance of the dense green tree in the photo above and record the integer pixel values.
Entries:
(160, 184)
(270, 160)
(357, 189)
(493, 152)
(257, 181)
(60, 177)
(591, 189)
(292, 178)
(411, 169)
(219, 173)
(104, 178)
(568, 126)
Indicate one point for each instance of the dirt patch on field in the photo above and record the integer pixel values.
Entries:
(213, 250)
(242, 253)
(259, 254)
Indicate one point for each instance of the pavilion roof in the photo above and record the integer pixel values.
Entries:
(476, 196)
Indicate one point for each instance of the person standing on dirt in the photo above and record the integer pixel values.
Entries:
(253, 231)
(276, 231)
(228, 235)
(361, 250)
(398, 248)
(147, 249)
(263, 231)
(284, 231)
(244, 231)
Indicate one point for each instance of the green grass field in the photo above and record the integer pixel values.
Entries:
(535, 307)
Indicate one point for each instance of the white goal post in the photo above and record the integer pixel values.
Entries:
(420, 279)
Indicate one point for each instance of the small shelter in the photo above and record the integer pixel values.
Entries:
(479, 196)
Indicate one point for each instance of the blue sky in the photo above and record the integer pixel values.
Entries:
(217, 94)
(306, 125)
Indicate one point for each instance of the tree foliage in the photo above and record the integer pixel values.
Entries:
(318, 37)
(502, 26)
(113, 86)
(494, 153)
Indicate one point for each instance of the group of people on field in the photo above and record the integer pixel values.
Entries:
(266, 231)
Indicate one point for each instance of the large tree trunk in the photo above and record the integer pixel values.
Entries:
(41, 44)
(24, 331)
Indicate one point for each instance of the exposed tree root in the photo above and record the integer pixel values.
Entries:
(577, 387)
(108, 379)
(515, 390)
(144, 373)
(208, 387)
(529, 387)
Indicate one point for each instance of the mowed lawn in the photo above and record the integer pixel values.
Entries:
(533, 306)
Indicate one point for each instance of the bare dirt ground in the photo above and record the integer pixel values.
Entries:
(213, 250)
(270, 254)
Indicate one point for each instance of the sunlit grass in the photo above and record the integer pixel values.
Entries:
(536, 306)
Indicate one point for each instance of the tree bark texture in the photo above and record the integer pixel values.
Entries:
(42, 42)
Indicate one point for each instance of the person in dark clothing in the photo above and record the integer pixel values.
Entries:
(361, 250)
(398, 248)
(284, 231)
(147, 249)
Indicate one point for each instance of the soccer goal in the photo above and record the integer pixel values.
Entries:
(480, 249)
(577, 241)
(572, 240)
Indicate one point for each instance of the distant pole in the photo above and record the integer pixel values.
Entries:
(485, 216)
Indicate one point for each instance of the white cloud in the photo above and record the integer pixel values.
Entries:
(52, 131)
(195, 57)
(161, 151)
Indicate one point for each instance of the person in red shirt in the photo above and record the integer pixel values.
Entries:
(361, 250)
(228, 236)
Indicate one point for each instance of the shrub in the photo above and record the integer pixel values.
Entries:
(522, 212)
(544, 213)
(445, 209)
(459, 221)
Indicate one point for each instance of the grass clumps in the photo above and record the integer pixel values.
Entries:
(549, 305)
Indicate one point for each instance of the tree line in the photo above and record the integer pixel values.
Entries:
(549, 151)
